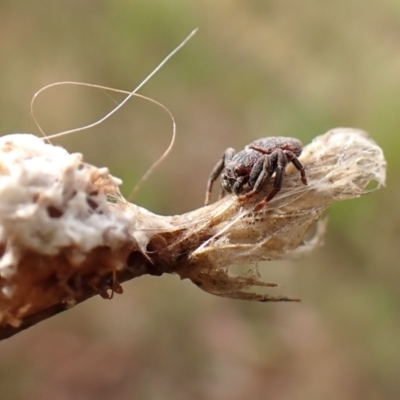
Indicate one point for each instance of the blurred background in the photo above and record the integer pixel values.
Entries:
(255, 68)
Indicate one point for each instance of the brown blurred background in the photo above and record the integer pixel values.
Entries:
(255, 68)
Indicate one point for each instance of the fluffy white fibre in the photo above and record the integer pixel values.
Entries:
(50, 199)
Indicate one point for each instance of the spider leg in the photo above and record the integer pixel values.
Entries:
(292, 157)
(281, 162)
(262, 166)
(260, 175)
(228, 155)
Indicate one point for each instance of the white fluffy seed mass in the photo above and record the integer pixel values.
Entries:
(50, 199)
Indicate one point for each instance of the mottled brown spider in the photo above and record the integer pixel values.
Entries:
(251, 168)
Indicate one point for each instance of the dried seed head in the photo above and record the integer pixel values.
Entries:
(339, 165)
(56, 226)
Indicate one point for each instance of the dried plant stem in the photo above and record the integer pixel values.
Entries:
(66, 234)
